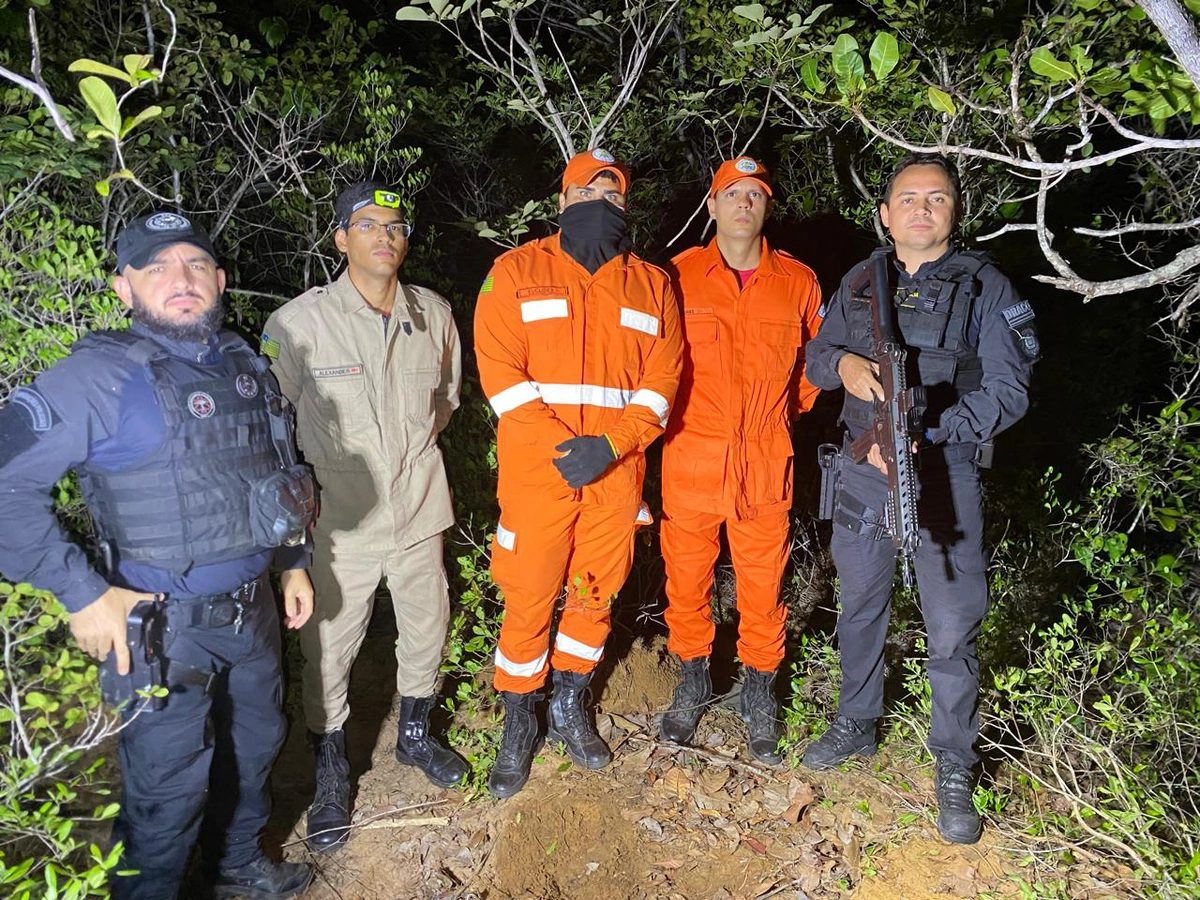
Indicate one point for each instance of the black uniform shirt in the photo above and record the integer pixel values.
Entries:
(1007, 355)
(100, 407)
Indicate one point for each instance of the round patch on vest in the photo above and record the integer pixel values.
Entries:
(201, 404)
(167, 222)
(247, 386)
(603, 155)
(746, 165)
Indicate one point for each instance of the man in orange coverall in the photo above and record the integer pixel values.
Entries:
(748, 311)
(579, 348)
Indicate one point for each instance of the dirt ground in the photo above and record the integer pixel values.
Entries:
(661, 822)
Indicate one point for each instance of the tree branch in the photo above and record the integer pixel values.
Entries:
(1179, 29)
(37, 86)
(1183, 263)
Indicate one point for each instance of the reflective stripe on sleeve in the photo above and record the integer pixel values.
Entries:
(586, 395)
(569, 645)
(512, 397)
(520, 670)
(639, 321)
(536, 310)
(505, 538)
(656, 401)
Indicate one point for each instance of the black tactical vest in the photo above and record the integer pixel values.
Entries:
(932, 316)
(188, 503)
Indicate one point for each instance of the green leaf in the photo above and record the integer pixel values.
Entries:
(102, 187)
(1050, 67)
(842, 48)
(752, 11)
(102, 102)
(884, 55)
(847, 64)
(99, 68)
(412, 14)
(134, 63)
(941, 101)
(816, 13)
(150, 112)
(812, 81)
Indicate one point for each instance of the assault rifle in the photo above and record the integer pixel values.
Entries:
(895, 419)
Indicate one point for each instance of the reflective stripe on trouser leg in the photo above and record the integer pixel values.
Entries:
(759, 548)
(344, 583)
(416, 578)
(951, 574)
(691, 542)
(600, 560)
(530, 575)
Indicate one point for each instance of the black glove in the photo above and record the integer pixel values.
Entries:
(586, 460)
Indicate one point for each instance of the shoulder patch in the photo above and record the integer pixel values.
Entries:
(268, 346)
(488, 283)
(36, 408)
(1017, 314)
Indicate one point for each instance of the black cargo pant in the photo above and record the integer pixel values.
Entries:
(951, 573)
(204, 759)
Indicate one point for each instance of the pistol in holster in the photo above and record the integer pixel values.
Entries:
(829, 458)
(145, 628)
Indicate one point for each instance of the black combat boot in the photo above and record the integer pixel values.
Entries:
(691, 695)
(570, 723)
(760, 712)
(845, 738)
(957, 821)
(263, 879)
(414, 746)
(329, 815)
(515, 755)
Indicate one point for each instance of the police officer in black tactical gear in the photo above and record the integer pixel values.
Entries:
(183, 450)
(971, 343)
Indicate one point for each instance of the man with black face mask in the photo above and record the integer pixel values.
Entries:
(579, 350)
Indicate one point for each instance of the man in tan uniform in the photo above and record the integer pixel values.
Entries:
(373, 368)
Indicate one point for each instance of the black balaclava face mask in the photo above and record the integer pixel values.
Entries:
(593, 232)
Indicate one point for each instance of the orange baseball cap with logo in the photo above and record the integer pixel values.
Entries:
(585, 166)
(738, 168)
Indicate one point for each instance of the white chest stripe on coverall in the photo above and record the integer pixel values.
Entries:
(580, 395)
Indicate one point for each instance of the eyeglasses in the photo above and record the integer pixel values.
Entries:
(370, 229)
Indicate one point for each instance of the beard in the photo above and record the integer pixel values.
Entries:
(195, 329)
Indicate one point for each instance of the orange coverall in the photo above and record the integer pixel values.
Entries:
(563, 353)
(727, 459)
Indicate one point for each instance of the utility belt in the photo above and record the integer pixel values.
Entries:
(842, 508)
(218, 610)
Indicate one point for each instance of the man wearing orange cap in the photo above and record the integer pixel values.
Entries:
(579, 345)
(748, 311)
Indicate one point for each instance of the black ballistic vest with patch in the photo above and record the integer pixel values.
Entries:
(188, 502)
(932, 316)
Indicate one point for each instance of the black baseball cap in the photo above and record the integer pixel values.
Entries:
(145, 236)
(365, 193)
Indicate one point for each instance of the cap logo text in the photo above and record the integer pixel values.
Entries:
(167, 222)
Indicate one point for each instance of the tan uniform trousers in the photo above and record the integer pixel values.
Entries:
(345, 582)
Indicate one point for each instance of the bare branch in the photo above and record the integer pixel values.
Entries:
(37, 86)
(1139, 226)
(1183, 263)
(1179, 29)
